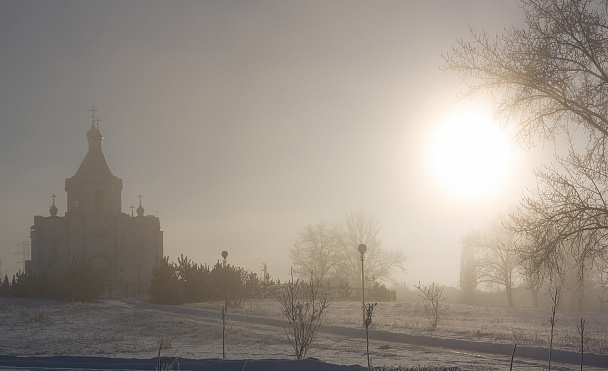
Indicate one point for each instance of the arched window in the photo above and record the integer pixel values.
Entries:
(98, 202)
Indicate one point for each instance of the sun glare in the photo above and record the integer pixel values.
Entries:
(469, 156)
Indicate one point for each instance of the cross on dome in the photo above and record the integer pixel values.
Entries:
(93, 110)
(53, 209)
(140, 209)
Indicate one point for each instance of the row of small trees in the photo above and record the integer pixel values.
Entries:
(189, 282)
(77, 282)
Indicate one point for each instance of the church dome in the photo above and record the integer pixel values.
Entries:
(53, 209)
(94, 167)
(93, 134)
(140, 210)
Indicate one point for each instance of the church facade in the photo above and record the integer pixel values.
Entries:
(121, 248)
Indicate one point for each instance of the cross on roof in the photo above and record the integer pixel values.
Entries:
(53, 197)
(139, 199)
(93, 110)
(132, 207)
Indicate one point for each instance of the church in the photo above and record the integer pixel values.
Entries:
(121, 248)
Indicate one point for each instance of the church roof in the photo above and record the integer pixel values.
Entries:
(94, 166)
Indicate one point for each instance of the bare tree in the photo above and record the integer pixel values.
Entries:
(493, 258)
(581, 331)
(552, 320)
(468, 269)
(315, 253)
(551, 79)
(546, 77)
(303, 304)
(324, 253)
(432, 296)
(567, 212)
(362, 228)
(533, 283)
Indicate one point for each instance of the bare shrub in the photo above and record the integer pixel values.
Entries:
(433, 296)
(581, 331)
(305, 306)
(369, 312)
(552, 320)
(165, 363)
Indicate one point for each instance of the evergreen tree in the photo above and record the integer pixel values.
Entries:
(78, 282)
(6, 287)
(165, 287)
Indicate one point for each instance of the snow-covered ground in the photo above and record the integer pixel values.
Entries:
(469, 337)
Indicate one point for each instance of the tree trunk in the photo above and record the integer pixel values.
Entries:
(509, 291)
(534, 292)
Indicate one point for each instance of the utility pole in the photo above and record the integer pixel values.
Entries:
(24, 252)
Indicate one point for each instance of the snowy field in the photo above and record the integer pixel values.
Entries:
(468, 337)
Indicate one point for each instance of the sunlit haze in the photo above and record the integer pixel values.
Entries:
(239, 123)
(469, 155)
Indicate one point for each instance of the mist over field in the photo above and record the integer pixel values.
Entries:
(240, 124)
(309, 185)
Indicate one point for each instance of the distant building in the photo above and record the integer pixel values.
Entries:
(122, 248)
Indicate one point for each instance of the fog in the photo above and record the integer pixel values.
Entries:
(240, 123)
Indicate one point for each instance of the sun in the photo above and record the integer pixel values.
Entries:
(469, 156)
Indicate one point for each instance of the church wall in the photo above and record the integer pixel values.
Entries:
(93, 238)
(50, 243)
(95, 198)
(142, 250)
(122, 246)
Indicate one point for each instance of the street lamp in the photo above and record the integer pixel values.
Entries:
(225, 308)
(362, 248)
(225, 255)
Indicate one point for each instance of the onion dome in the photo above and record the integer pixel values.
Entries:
(94, 135)
(53, 209)
(140, 210)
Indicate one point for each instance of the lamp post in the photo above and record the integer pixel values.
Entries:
(225, 255)
(362, 248)
(225, 308)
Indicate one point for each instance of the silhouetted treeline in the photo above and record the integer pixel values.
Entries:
(77, 282)
(189, 282)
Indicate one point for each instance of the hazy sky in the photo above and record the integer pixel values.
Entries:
(240, 122)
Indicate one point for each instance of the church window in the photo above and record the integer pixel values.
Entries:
(99, 198)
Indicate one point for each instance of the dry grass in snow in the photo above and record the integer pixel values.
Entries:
(134, 329)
